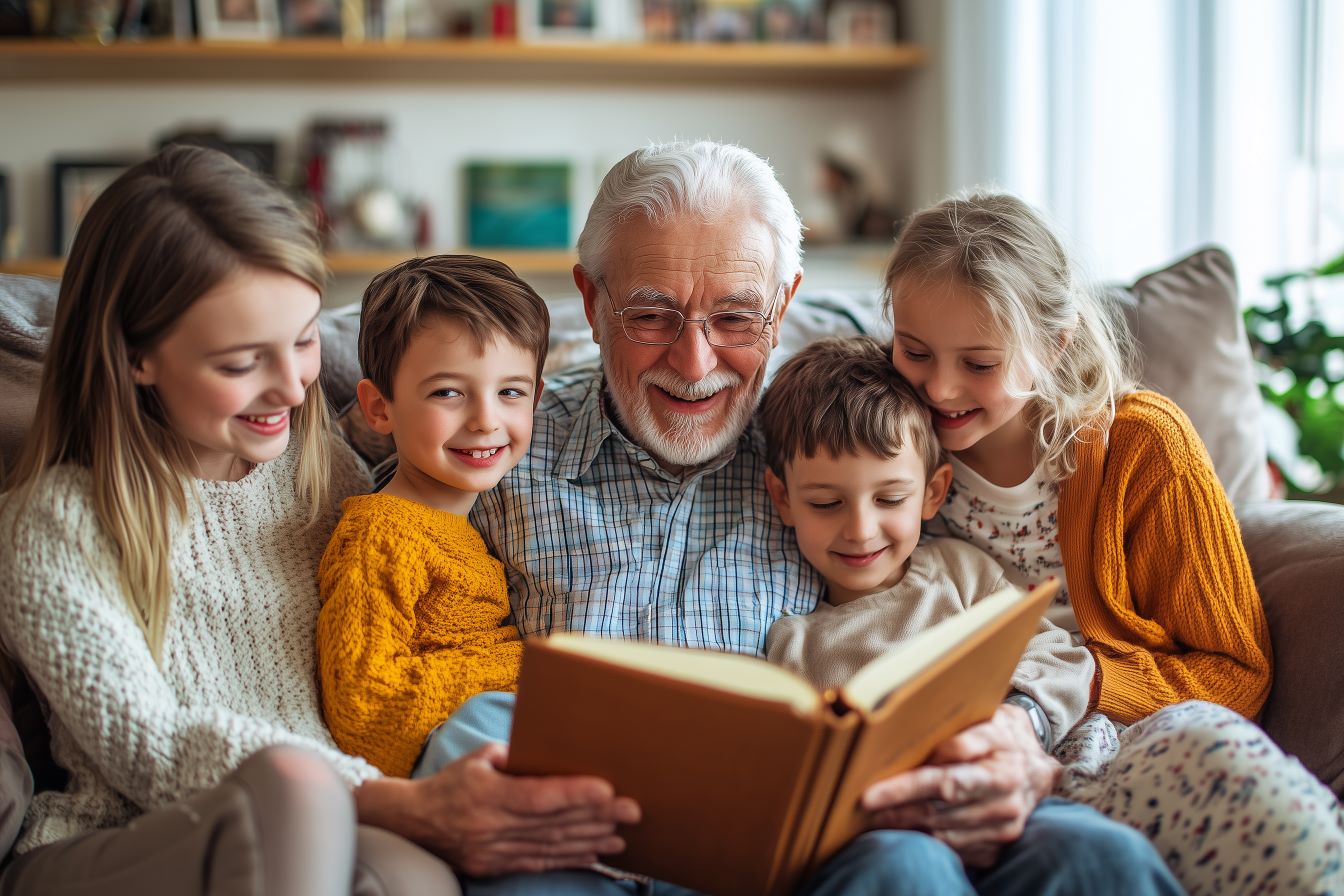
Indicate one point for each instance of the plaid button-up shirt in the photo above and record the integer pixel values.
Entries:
(597, 538)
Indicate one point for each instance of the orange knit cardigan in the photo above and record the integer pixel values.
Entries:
(1158, 576)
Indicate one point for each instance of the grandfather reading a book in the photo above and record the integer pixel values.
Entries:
(640, 512)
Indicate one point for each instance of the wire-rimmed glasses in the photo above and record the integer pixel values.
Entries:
(654, 325)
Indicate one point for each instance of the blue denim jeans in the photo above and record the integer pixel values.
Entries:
(1067, 848)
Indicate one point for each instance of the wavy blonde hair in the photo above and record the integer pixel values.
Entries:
(1077, 353)
(163, 234)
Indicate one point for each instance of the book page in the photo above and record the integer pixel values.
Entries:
(889, 672)
(734, 673)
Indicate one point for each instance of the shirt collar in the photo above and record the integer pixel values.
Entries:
(593, 427)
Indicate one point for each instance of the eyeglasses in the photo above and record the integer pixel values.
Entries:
(650, 325)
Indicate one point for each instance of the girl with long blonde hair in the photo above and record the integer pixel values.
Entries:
(161, 533)
(1063, 466)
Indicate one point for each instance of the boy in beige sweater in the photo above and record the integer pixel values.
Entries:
(855, 468)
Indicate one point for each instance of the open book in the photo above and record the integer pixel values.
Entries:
(749, 777)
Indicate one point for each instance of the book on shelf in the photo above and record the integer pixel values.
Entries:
(748, 777)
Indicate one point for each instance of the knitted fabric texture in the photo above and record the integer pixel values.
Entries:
(238, 664)
(1158, 576)
(412, 625)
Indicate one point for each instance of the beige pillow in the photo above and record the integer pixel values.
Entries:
(1187, 322)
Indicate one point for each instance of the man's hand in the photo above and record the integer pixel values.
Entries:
(485, 822)
(976, 791)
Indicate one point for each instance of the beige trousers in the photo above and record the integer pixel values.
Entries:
(282, 824)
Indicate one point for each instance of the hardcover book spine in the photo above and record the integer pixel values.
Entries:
(801, 859)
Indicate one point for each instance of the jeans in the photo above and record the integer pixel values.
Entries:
(1066, 848)
(483, 718)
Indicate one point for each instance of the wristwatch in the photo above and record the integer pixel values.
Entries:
(1039, 723)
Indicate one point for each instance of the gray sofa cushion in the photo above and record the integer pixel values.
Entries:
(1297, 554)
(1186, 319)
(16, 781)
(26, 308)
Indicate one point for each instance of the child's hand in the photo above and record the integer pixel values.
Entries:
(977, 790)
(485, 822)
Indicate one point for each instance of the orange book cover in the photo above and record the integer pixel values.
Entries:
(748, 776)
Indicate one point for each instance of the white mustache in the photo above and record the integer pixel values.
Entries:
(716, 381)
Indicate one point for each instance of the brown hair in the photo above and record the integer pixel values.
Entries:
(163, 234)
(844, 395)
(483, 294)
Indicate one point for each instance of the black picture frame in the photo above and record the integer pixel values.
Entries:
(75, 183)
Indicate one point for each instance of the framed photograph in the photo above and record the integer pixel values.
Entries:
(573, 20)
(786, 21)
(861, 23)
(725, 22)
(238, 19)
(75, 183)
(310, 18)
(518, 205)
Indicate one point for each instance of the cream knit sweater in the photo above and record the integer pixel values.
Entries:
(238, 671)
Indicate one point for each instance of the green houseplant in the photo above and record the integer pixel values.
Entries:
(1302, 372)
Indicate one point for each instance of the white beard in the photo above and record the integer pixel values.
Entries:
(684, 442)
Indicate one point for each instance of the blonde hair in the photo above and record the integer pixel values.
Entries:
(163, 234)
(1076, 351)
(843, 395)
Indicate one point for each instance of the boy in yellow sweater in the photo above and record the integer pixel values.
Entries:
(414, 619)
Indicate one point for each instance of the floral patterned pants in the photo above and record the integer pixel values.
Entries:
(1228, 810)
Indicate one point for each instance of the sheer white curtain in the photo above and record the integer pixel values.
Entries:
(1149, 127)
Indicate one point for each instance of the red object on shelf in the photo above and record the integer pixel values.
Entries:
(503, 19)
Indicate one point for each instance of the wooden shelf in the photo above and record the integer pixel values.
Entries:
(165, 61)
(363, 264)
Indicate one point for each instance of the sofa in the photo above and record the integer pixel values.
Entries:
(1193, 347)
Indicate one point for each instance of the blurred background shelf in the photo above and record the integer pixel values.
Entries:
(322, 60)
(362, 264)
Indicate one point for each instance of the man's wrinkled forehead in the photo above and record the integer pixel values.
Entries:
(692, 259)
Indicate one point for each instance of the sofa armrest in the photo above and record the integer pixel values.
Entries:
(1297, 554)
(16, 781)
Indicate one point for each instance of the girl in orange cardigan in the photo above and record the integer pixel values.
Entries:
(1063, 467)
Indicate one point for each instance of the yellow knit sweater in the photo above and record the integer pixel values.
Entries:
(412, 624)
(1158, 576)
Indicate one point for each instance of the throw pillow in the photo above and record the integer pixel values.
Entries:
(1187, 322)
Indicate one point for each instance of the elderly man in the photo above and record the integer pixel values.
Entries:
(640, 511)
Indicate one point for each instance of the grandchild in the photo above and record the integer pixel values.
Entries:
(415, 610)
(1061, 466)
(855, 468)
(156, 566)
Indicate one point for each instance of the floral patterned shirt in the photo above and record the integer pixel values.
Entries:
(1018, 526)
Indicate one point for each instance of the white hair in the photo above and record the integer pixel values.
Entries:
(702, 179)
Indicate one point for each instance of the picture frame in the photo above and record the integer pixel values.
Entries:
(858, 23)
(724, 21)
(75, 183)
(310, 18)
(567, 21)
(237, 19)
(518, 204)
(789, 21)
